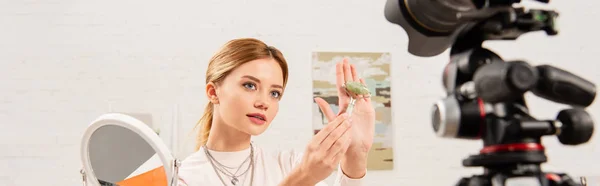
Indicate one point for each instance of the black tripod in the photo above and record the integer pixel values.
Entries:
(485, 100)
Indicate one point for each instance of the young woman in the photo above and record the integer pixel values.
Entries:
(245, 81)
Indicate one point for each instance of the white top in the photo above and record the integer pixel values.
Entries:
(270, 168)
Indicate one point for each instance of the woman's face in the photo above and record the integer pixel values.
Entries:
(248, 98)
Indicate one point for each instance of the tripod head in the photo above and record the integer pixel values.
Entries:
(485, 98)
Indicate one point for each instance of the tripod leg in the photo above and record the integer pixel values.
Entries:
(562, 179)
(474, 181)
(463, 182)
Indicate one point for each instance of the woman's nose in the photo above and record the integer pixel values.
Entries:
(261, 102)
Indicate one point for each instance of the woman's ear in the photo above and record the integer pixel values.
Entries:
(211, 93)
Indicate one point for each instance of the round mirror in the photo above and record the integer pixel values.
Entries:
(120, 150)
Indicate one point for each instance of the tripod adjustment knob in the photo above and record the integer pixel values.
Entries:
(504, 81)
(577, 126)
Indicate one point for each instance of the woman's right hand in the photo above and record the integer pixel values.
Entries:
(325, 151)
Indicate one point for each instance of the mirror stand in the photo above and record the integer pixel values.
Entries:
(175, 170)
(84, 179)
(120, 150)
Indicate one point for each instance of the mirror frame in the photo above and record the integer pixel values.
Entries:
(170, 164)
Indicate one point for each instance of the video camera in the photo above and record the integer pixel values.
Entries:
(485, 94)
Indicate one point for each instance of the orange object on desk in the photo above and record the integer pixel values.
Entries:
(154, 177)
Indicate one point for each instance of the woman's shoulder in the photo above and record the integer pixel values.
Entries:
(194, 160)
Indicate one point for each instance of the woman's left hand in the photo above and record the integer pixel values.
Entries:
(363, 115)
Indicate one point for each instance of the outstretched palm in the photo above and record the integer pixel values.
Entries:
(363, 115)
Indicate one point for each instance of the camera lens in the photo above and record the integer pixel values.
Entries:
(437, 17)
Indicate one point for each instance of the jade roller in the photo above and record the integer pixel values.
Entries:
(355, 90)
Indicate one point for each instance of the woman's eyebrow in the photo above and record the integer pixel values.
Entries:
(258, 81)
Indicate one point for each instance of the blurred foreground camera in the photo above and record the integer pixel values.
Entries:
(485, 93)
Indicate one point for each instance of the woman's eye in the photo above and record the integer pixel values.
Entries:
(275, 94)
(250, 86)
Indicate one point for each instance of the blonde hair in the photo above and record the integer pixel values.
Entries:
(233, 54)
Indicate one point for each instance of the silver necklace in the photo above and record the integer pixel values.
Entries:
(221, 168)
(224, 168)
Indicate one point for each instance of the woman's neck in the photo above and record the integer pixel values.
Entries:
(224, 138)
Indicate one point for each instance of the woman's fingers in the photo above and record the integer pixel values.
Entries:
(354, 74)
(330, 141)
(339, 79)
(340, 145)
(347, 71)
(325, 108)
(330, 127)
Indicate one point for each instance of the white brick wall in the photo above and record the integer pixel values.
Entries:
(66, 62)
